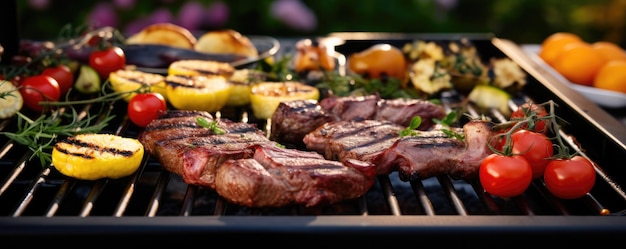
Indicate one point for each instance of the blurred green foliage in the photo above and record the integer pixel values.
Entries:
(523, 21)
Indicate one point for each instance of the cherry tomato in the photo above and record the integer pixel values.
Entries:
(108, 60)
(63, 75)
(530, 109)
(569, 178)
(145, 107)
(505, 176)
(39, 88)
(536, 147)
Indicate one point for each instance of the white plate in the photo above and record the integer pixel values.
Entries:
(605, 98)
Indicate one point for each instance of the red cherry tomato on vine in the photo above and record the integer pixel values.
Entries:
(108, 60)
(505, 176)
(528, 109)
(39, 88)
(569, 178)
(145, 107)
(535, 147)
(63, 75)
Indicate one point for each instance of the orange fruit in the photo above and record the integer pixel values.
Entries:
(554, 44)
(579, 63)
(612, 76)
(609, 50)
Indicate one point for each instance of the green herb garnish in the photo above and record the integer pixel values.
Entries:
(410, 130)
(210, 125)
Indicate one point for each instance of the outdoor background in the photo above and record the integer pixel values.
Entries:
(523, 21)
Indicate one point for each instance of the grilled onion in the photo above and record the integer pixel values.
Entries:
(97, 156)
(267, 95)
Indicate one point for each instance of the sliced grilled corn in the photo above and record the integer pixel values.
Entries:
(97, 156)
(242, 80)
(200, 67)
(267, 95)
(126, 80)
(11, 99)
(202, 93)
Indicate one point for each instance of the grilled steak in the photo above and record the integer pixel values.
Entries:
(277, 177)
(194, 152)
(432, 153)
(293, 120)
(247, 168)
(351, 139)
(429, 153)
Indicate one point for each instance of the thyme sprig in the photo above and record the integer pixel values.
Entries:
(40, 134)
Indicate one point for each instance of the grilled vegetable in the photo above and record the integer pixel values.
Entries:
(242, 81)
(267, 95)
(96, 156)
(202, 93)
(11, 100)
(88, 80)
(200, 67)
(125, 80)
(488, 97)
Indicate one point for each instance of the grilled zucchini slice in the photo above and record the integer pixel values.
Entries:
(11, 99)
(490, 97)
(97, 156)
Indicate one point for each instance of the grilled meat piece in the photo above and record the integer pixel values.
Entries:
(293, 120)
(350, 139)
(432, 153)
(429, 153)
(276, 177)
(185, 148)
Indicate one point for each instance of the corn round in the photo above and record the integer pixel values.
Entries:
(97, 156)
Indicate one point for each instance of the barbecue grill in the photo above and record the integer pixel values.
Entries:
(154, 206)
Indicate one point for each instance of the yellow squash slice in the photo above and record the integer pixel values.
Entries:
(267, 95)
(126, 80)
(97, 156)
(200, 67)
(200, 93)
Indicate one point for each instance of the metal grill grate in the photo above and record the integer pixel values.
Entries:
(41, 201)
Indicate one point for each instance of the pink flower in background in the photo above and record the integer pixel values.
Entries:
(37, 4)
(103, 14)
(191, 15)
(124, 4)
(217, 14)
(294, 14)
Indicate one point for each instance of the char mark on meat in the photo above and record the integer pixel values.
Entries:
(432, 153)
(276, 177)
(348, 139)
(292, 120)
(194, 152)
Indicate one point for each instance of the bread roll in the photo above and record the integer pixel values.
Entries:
(164, 34)
(226, 41)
